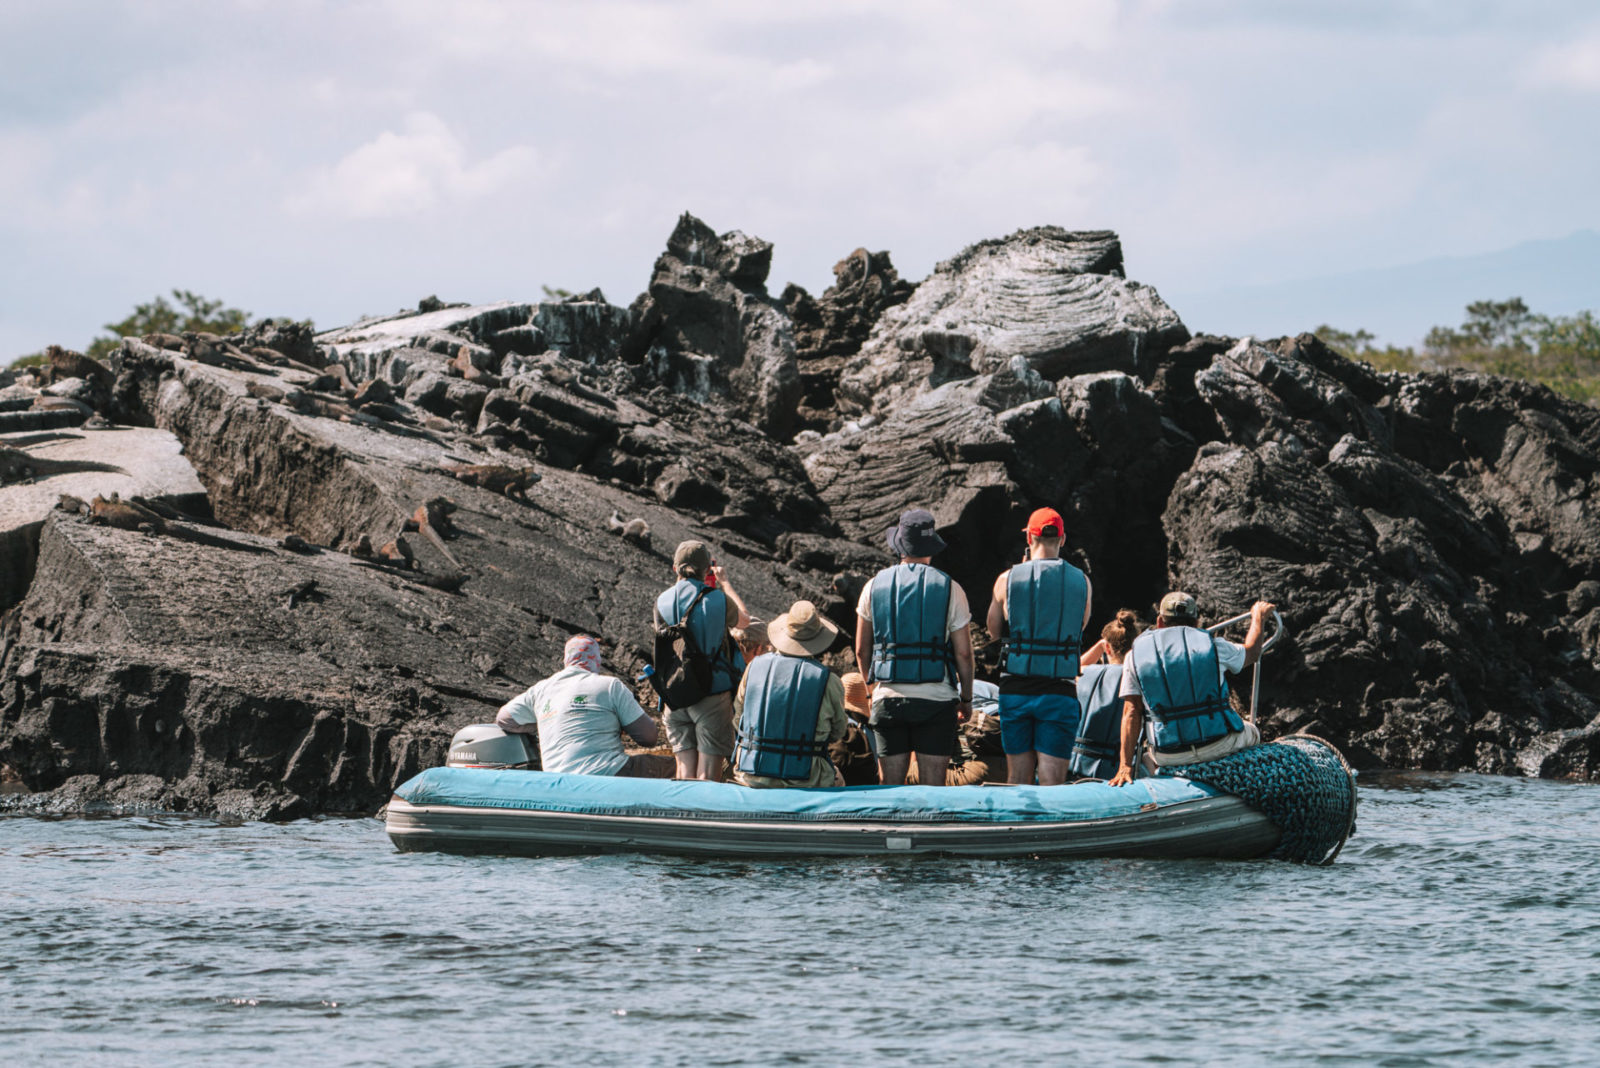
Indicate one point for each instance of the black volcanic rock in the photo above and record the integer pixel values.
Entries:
(707, 327)
(292, 640)
(831, 328)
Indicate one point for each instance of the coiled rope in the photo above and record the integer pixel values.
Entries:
(1301, 783)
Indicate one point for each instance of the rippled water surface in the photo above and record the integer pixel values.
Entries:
(1461, 925)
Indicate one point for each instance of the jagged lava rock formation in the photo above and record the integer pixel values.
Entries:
(402, 520)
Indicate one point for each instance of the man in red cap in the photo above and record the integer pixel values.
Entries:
(1039, 610)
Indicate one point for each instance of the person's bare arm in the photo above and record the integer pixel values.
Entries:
(1256, 637)
(737, 602)
(1088, 599)
(961, 641)
(1093, 654)
(643, 730)
(522, 702)
(996, 619)
(864, 647)
(1132, 724)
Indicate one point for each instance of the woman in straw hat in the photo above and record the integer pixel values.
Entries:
(790, 706)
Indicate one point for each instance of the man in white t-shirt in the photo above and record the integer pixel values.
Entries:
(1192, 720)
(579, 716)
(919, 655)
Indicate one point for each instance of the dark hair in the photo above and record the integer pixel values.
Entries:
(1120, 632)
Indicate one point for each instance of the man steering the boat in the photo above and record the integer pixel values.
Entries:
(579, 715)
(1177, 673)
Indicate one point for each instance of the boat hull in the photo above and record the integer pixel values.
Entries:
(1218, 826)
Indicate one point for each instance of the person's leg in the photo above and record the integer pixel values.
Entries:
(931, 768)
(1016, 739)
(892, 768)
(1020, 768)
(680, 735)
(1053, 736)
(645, 766)
(711, 767)
(933, 740)
(714, 728)
(1052, 770)
(893, 741)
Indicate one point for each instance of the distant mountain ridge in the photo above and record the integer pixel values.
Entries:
(1556, 277)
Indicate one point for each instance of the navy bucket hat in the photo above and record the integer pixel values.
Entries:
(915, 535)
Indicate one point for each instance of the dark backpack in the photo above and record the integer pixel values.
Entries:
(683, 671)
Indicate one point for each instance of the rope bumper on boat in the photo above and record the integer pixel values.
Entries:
(1301, 783)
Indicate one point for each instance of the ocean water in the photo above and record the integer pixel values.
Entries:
(1460, 926)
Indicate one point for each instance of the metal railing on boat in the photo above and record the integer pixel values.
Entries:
(1255, 679)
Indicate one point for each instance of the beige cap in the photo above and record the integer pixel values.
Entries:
(1177, 605)
(691, 559)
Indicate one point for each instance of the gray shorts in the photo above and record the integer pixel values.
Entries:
(705, 726)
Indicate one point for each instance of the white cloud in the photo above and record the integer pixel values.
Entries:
(407, 173)
(1575, 65)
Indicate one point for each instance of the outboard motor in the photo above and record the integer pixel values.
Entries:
(483, 745)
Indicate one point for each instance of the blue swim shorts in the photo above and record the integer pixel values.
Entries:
(1038, 723)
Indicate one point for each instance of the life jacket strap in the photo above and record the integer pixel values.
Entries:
(782, 746)
(919, 650)
(1092, 748)
(1200, 708)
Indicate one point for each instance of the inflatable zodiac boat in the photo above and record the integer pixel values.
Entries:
(1294, 799)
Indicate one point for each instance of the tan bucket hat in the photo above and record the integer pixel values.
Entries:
(857, 698)
(802, 631)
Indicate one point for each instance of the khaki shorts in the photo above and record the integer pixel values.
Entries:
(705, 726)
(1251, 735)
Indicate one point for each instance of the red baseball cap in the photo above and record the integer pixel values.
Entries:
(1045, 519)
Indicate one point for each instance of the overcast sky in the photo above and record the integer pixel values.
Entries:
(326, 160)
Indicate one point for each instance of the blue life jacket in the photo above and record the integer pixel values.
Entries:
(783, 698)
(1045, 600)
(910, 641)
(708, 625)
(1095, 751)
(1183, 688)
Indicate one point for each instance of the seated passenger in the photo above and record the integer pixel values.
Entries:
(854, 754)
(579, 715)
(752, 640)
(1176, 672)
(790, 706)
(1094, 751)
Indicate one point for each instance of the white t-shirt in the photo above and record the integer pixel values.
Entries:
(1230, 661)
(957, 616)
(580, 717)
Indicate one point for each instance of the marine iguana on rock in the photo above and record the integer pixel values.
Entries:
(432, 519)
(18, 465)
(497, 478)
(633, 531)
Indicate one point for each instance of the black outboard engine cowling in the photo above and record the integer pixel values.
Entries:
(483, 745)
